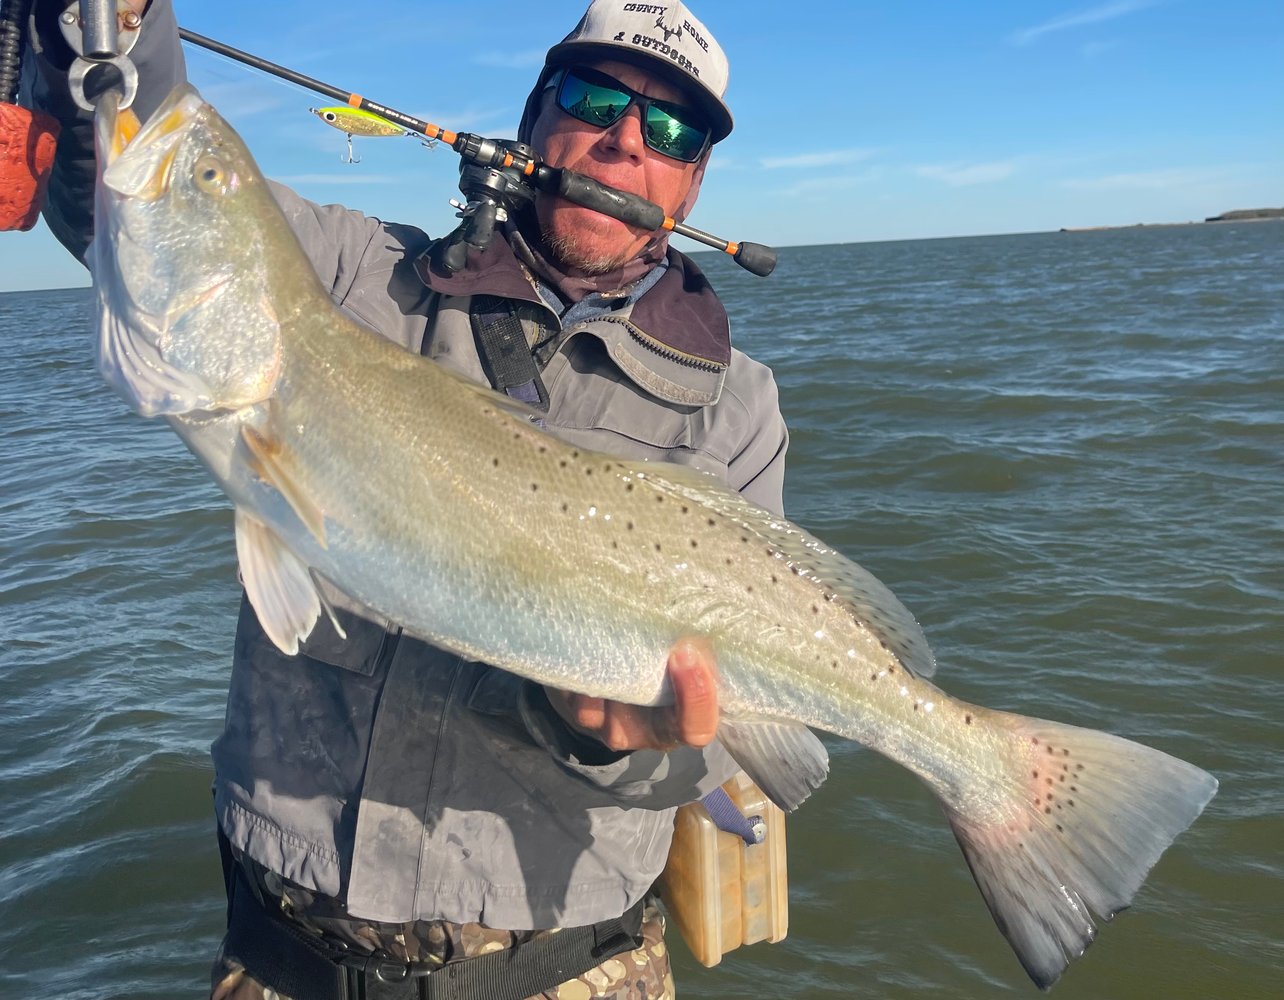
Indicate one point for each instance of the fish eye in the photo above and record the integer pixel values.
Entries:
(330, 116)
(209, 174)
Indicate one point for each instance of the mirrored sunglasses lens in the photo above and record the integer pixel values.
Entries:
(667, 134)
(589, 102)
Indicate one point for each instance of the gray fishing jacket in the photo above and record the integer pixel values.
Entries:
(378, 769)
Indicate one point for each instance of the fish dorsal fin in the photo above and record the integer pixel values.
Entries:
(785, 759)
(868, 600)
(278, 584)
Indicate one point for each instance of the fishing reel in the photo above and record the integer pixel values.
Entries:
(492, 194)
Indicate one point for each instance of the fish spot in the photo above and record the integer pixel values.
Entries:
(563, 463)
(615, 544)
(659, 498)
(1050, 750)
(872, 677)
(711, 522)
(1078, 767)
(495, 462)
(1034, 740)
(1074, 788)
(744, 538)
(565, 507)
(1035, 774)
(1070, 803)
(1060, 829)
(588, 471)
(534, 487)
(628, 488)
(517, 435)
(685, 509)
(657, 546)
(749, 589)
(543, 448)
(967, 719)
(891, 670)
(729, 560)
(630, 526)
(696, 545)
(575, 454)
(774, 578)
(1047, 810)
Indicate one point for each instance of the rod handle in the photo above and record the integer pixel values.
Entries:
(581, 190)
(756, 258)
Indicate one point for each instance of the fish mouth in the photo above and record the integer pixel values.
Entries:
(137, 159)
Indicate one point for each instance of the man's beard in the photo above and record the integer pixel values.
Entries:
(568, 249)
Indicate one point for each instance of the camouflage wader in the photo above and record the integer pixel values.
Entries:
(642, 974)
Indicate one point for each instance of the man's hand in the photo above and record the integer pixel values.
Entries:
(692, 719)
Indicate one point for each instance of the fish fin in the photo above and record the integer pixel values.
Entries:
(869, 602)
(328, 606)
(279, 585)
(785, 759)
(270, 461)
(1089, 814)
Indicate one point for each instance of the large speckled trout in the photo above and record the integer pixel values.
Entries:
(440, 504)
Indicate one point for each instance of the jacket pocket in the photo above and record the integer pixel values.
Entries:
(369, 636)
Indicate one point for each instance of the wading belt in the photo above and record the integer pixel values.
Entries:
(282, 956)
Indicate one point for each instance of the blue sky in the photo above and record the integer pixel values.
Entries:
(854, 121)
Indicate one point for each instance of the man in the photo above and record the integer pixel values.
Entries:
(386, 809)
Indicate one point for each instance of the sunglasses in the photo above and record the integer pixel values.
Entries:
(600, 100)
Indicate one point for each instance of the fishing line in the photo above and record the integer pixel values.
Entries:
(517, 164)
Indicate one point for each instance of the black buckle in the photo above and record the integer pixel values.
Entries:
(387, 970)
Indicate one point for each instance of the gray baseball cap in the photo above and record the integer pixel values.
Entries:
(662, 38)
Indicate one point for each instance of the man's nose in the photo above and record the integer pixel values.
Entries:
(625, 135)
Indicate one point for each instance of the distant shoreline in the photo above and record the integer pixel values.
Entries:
(1237, 215)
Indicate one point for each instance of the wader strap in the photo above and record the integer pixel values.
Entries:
(280, 955)
(505, 354)
(727, 817)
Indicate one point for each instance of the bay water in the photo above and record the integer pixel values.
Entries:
(1063, 451)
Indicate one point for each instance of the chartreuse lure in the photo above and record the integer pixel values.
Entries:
(356, 121)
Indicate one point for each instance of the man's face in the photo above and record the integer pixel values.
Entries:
(615, 155)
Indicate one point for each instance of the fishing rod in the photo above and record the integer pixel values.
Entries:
(501, 168)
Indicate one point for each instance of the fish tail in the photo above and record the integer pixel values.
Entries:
(1086, 816)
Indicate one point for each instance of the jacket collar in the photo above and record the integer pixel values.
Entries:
(680, 317)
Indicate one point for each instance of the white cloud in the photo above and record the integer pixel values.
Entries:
(1094, 15)
(1149, 180)
(963, 175)
(824, 187)
(821, 159)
